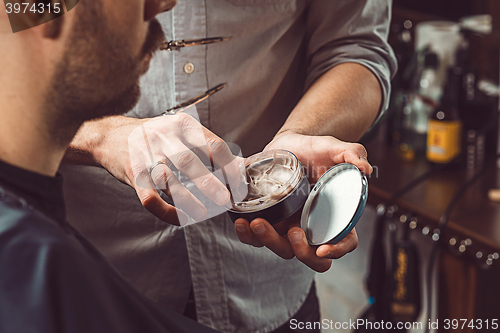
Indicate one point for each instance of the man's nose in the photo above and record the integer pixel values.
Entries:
(155, 7)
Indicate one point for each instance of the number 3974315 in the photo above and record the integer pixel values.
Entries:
(34, 8)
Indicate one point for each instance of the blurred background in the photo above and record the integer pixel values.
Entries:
(429, 241)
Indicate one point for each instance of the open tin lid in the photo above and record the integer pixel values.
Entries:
(334, 205)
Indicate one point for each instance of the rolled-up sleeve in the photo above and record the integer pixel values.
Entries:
(356, 31)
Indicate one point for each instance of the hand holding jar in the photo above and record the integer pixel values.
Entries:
(286, 238)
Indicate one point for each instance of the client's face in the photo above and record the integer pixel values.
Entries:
(109, 49)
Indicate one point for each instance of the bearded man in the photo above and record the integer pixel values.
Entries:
(83, 65)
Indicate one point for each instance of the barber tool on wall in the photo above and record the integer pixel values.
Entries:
(404, 298)
(376, 281)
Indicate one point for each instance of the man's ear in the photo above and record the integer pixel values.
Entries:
(52, 29)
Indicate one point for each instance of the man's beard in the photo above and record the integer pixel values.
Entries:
(98, 75)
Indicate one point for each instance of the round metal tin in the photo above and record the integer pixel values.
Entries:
(281, 210)
(335, 204)
(287, 205)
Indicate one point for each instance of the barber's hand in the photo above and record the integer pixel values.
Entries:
(131, 148)
(286, 238)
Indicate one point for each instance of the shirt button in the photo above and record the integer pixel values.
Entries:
(189, 68)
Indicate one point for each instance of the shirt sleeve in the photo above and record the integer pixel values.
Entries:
(356, 31)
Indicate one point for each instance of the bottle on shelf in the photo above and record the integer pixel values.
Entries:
(420, 104)
(403, 49)
(445, 126)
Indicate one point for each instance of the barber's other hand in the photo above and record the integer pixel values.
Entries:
(131, 147)
(320, 153)
(287, 239)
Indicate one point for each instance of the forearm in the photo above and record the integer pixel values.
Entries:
(85, 147)
(342, 103)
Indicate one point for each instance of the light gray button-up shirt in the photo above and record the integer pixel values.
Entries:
(279, 48)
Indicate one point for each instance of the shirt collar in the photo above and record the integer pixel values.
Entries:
(42, 192)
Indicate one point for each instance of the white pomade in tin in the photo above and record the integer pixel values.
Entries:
(270, 177)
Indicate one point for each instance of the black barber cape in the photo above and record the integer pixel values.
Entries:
(53, 280)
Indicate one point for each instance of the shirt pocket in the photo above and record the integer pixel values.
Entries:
(258, 2)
